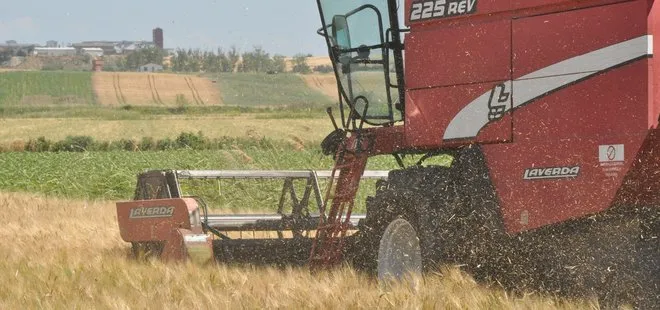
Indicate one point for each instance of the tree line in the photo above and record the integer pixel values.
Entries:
(195, 60)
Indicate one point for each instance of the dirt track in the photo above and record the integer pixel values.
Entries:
(153, 89)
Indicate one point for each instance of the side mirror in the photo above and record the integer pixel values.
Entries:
(340, 31)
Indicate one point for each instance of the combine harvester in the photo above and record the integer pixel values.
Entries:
(549, 109)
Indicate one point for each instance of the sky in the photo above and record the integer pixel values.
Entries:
(286, 27)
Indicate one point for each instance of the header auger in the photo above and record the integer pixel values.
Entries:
(549, 110)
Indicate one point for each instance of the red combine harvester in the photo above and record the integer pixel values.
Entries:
(549, 110)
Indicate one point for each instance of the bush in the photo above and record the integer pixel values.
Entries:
(191, 140)
(125, 145)
(185, 140)
(165, 144)
(41, 144)
(103, 146)
(147, 144)
(74, 144)
(323, 69)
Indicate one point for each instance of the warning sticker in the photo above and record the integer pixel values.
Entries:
(611, 153)
(611, 159)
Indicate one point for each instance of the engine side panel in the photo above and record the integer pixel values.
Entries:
(561, 119)
(574, 145)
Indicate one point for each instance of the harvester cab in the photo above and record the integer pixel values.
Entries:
(367, 56)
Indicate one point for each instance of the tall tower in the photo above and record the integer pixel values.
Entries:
(158, 37)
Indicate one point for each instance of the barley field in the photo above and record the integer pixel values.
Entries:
(58, 253)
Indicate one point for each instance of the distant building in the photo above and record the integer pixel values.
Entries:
(51, 43)
(151, 68)
(132, 46)
(108, 47)
(18, 49)
(158, 37)
(54, 51)
(92, 51)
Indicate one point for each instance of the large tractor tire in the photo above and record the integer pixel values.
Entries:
(393, 228)
(417, 215)
(387, 234)
(453, 211)
(399, 251)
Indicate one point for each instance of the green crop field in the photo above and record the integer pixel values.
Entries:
(43, 88)
(111, 175)
(258, 89)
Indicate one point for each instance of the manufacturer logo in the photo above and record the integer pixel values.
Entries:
(498, 102)
(551, 173)
(151, 212)
(427, 9)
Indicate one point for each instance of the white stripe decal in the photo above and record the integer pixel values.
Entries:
(469, 121)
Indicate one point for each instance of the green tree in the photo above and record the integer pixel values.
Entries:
(194, 63)
(145, 56)
(256, 61)
(278, 64)
(225, 63)
(5, 56)
(179, 60)
(234, 57)
(300, 64)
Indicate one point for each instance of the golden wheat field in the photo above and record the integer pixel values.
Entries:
(137, 88)
(251, 126)
(63, 254)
